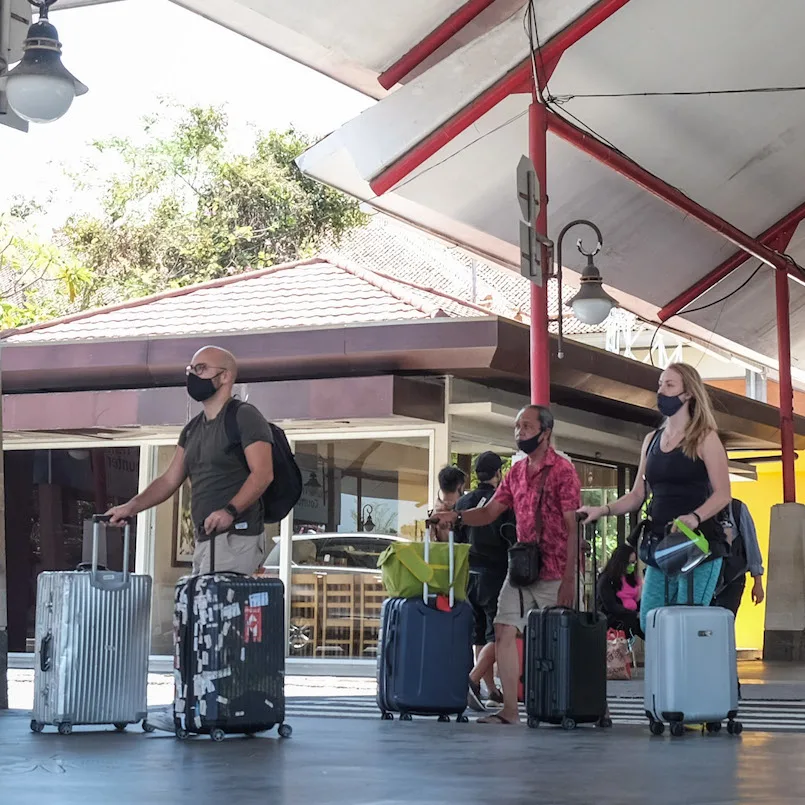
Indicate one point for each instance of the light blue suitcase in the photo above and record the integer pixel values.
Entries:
(691, 669)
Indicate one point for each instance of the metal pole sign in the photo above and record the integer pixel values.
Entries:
(528, 198)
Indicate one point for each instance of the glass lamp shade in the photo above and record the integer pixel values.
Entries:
(592, 304)
(592, 310)
(40, 89)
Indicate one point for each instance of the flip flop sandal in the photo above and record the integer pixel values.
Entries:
(495, 718)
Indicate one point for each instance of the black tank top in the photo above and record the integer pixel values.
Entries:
(677, 483)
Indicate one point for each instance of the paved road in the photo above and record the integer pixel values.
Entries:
(350, 761)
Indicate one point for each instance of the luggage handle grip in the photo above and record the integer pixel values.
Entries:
(45, 660)
(451, 565)
(105, 519)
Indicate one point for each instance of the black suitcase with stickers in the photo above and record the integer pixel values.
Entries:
(229, 661)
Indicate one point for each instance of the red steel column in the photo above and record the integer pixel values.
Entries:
(786, 387)
(539, 339)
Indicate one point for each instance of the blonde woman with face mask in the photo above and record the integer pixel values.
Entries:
(684, 466)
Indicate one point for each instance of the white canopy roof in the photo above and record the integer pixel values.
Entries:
(739, 155)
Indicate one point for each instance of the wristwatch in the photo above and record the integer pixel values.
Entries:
(230, 509)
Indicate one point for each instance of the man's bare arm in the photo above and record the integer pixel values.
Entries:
(158, 491)
(260, 459)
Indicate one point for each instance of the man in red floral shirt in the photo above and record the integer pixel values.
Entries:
(547, 482)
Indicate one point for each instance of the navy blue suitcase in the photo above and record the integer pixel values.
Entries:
(424, 658)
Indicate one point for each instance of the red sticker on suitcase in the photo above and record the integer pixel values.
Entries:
(253, 620)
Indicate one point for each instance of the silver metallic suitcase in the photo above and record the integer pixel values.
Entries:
(93, 636)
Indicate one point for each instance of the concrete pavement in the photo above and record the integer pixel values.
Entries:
(395, 763)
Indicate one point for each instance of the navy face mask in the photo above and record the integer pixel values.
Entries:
(668, 406)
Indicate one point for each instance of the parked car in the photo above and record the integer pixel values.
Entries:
(336, 592)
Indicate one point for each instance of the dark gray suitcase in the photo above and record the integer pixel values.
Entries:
(566, 664)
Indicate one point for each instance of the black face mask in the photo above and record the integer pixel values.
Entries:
(528, 446)
(200, 388)
(667, 405)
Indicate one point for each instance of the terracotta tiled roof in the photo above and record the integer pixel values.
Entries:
(311, 293)
(408, 254)
(385, 271)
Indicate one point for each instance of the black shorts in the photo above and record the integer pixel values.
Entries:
(482, 593)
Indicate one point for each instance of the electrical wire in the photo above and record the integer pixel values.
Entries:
(570, 96)
(457, 152)
(732, 293)
(532, 31)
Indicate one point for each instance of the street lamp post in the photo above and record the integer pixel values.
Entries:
(365, 522)
(592, 304)
(40, 88)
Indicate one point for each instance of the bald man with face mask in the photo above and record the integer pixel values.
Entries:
(226, 491)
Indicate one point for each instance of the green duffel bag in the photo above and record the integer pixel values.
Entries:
(405, 570)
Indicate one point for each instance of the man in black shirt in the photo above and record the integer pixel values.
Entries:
(489, 547)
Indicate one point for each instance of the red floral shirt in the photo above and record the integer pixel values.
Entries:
(561, 493)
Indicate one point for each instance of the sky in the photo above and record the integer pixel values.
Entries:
(133, 52)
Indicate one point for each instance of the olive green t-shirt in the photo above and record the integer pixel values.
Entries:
(216, 475)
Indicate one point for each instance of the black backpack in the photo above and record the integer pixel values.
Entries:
(285, 490)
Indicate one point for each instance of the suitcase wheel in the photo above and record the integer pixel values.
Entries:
(406, 717)
(462, 719)
(217, 734)
(657, 727)
(37, 726)
(677, 729)
(568, 723)
(148, 727)
(120, 726)
(387, 716)
(605, 723)
(532, 722)
(443, 718)
(285, 730)
(735, 727)
(65, 728)
(181, 733)
(713, 727)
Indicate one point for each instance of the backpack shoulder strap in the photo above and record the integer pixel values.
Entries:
(231, 424)
(735, 506)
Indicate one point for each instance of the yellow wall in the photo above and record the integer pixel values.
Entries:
(760, 496)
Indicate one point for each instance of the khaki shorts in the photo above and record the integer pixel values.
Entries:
(540, 595)
(235, 553)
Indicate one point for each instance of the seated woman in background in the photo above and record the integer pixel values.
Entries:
(618, 591)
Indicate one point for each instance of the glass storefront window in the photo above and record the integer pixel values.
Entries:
(359, 495)
(599, 486)
(51, 496)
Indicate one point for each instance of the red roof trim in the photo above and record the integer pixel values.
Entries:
(145, 300)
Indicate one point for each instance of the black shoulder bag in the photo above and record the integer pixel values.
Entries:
(525, 558)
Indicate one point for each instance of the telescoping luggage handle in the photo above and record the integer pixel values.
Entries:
(106, 579)
(451, 566)
(580, 517)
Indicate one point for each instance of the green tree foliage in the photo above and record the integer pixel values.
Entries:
(38, 280)
(177, 208)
